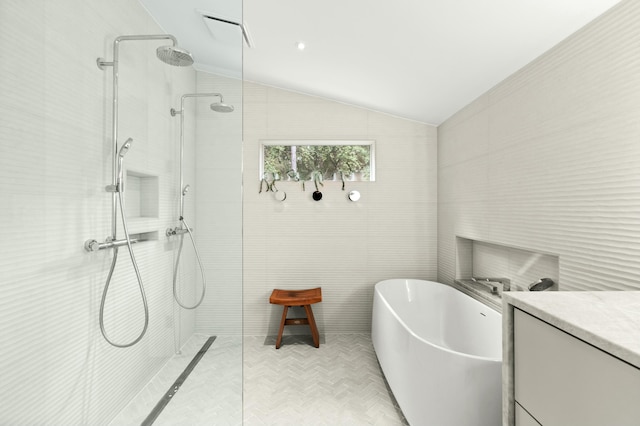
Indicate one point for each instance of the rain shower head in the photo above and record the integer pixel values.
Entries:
(174, 55)
(216, 106)
(221, 107)
(125, 147)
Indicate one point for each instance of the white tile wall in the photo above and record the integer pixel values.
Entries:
(548, 160)
(55, 159)
(342, 246)
(218, 188)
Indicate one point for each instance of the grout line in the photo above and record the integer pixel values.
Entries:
(176, 385)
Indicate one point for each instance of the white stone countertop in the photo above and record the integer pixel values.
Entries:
(608, 320)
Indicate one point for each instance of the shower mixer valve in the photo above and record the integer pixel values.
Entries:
(91, 245)
(177, 231)
(113, 188)
(109, 243)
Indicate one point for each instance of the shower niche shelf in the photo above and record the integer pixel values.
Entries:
(144, 236)
(141, 195)
(475, 258)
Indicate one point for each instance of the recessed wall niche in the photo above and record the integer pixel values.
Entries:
(522, 266)
(141, 195)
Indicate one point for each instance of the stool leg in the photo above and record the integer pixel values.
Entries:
(285, 308)
(312, 324)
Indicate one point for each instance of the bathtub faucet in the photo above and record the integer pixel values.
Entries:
(491, 282)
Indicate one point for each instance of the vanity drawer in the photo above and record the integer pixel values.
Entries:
(562, 380)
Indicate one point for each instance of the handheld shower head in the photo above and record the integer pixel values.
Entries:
(119, 186)
(174, 55)
(185, 190)
(125, 147)
(221, 107)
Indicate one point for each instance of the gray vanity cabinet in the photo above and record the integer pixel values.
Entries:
(523, 418)
(561, 380)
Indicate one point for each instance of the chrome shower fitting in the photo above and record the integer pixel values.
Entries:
(171, 55)
(170, 232)
(112, 243)
(164, 53)
(216, 106)
(119, 186)
(505, 283)
(179, 230)
(125, 148)
(541, 284)
(221, 106)
(184, 227)
(174, 112)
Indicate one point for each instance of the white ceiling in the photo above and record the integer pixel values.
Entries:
(417, 59)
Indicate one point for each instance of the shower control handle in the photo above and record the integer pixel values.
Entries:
(177, 231)
(110, 243)
(91, 245)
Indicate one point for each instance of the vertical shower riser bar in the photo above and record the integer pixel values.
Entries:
(171, 55)
(181, 112)
(102, 64)
(182, 190)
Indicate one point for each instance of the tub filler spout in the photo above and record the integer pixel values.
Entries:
(492, 283)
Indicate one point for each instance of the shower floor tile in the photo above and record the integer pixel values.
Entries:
(213, 390)
(339, 383)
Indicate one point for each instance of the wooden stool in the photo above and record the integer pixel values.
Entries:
(304, 298)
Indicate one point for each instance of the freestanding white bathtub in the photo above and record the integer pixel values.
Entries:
(440, 351)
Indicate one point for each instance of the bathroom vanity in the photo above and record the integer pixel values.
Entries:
(571, 358)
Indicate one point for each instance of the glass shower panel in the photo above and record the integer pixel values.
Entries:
(212, 120)
(56, 160)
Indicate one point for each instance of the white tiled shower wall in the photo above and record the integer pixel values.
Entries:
(341, 246)
(549, 160)
(55, 161)
(218, 189)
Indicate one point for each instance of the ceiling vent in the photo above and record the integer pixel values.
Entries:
(226, 30)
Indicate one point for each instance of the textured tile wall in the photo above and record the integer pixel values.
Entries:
(549, 159)
(342, 246)
(55, 159)
(219, 207)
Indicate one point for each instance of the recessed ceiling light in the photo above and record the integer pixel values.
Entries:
(300, 45)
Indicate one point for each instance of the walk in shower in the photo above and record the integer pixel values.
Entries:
(77, 170)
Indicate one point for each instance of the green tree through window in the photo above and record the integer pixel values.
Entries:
(341, 160)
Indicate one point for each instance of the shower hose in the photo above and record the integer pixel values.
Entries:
(175, 270)
(140, 286)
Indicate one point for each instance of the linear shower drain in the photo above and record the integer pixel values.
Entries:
(176, 385)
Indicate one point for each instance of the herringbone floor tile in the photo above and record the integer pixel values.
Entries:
(248, 382)
(339, 383)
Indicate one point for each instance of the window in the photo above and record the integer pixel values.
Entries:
(332, 159)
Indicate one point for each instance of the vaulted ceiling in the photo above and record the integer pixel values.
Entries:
(420, 60)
